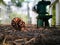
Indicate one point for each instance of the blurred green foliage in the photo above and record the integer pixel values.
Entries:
(14, 1)
(54, 15)
(18, 3)
(1, 1)
(22, 16)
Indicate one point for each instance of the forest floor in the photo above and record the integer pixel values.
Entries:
(30, 36)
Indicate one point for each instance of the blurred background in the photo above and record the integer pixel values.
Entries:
(23, 9)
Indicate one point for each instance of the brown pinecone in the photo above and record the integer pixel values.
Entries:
(17, 23)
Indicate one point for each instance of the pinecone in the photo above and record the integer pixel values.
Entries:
(17, 23)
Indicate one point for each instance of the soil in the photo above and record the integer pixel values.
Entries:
(30, 36)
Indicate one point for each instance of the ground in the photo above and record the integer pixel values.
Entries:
(30, 36)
